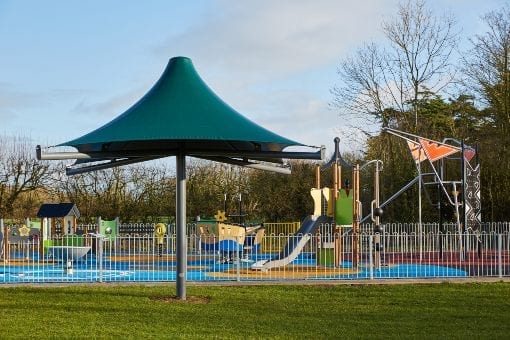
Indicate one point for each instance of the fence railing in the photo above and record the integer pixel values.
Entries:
(286, 228)
(318, 256)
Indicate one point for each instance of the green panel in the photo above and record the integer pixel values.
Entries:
(35, 225)
(72, 240)
(326, 256)
(212, 225)
(108, 224)
(344, 208)
(180, 106)
(46, 244)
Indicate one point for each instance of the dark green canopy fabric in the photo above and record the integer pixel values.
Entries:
(180, 111)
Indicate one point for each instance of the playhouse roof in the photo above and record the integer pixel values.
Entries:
(58, 210)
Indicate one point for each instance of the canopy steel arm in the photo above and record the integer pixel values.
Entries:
(70, 170)
(252, 165)
(44, 155)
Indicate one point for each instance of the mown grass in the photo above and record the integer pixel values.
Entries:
(295, 312)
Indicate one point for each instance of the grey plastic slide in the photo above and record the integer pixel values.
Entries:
(294, 245)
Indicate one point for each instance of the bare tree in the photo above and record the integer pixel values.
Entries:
(20, 173)
(137, 192)
(384, 82)
(487, 67)
(209, 183)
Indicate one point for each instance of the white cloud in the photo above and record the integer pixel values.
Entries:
(110, 106)
(266, 40)
(12, 99)
(297, 115)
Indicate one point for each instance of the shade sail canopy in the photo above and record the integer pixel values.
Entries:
(180, 114)
(180, 111)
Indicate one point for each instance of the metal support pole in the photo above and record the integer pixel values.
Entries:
(463, 192)
(238, 263)
(420, 226)
(43, 234)
(2, 244)
(377, 219)
(338, 238)
(459, 227)
(99, 222)
(100, 255)
(500, 255)
(180, 207)
(371, 255)
(376, 192)
(97, 241)
(356, 218)
(7, 248)
(318, 176)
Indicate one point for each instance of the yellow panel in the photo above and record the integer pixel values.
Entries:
(317, 199)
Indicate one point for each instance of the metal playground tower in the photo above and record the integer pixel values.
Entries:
(462, 194)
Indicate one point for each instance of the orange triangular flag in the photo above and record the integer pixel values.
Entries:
(435, 150)
(416, 151)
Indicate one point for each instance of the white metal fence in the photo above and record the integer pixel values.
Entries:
(399, 252)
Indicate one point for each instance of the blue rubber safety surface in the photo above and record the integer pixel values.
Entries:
(208, 268)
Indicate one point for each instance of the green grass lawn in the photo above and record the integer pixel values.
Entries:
(464, 311)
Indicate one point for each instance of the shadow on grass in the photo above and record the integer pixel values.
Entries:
(175, 299)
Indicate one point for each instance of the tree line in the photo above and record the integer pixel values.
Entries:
(146, 192)
(417, 79)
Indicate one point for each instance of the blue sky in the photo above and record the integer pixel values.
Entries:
(68, 67)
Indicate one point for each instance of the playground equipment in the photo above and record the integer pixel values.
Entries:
(68, 253)
(22, 236)
(334, 209)
(229, 238)
(57, 218)
(160, 231)
(348, 208)
(108, 228)
(463, 195)
(294, 245)
(3, 245)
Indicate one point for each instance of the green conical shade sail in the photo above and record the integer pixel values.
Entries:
(180, 111)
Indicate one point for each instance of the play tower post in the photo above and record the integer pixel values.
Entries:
(356, 217)
(337, 173)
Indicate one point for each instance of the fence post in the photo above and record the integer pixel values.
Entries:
(371, 255)
(500, 258)
(100, 255)
(238, 263)
(2, 239)
(117, 231)
(6, 248)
